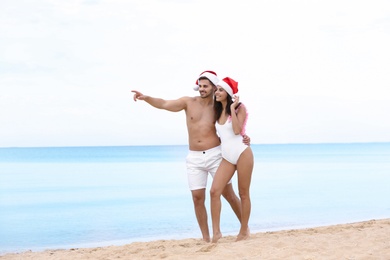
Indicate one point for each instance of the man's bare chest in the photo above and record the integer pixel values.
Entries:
(200, 115)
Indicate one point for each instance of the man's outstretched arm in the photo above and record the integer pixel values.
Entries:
(170, 105)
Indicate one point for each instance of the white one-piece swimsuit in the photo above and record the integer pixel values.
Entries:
(231, 144)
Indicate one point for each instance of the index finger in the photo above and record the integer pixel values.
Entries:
(135, 94)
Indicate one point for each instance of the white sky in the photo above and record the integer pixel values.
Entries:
(308, 71)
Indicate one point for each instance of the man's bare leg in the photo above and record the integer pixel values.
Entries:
(231, 197)
(198, 197)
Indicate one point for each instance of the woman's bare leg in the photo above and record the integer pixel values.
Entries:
(221, 178)
(244, 176)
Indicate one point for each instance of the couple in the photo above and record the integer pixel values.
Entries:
(208, 153)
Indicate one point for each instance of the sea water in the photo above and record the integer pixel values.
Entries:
(66, 197)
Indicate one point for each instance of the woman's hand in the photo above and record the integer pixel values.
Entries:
(236, 100)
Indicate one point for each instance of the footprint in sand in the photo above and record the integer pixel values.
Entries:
(207, 248)
(185, 245)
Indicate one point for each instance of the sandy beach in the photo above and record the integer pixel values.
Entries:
(362, 240)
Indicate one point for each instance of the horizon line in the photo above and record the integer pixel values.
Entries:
(91, 146)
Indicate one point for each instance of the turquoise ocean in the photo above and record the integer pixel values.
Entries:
(71, 197)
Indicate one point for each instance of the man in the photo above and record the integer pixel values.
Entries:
(204, 156)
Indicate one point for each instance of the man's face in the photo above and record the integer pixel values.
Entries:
(205, 88)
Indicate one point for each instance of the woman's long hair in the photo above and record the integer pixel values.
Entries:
(218, 107)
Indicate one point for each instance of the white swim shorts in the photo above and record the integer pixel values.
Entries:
(200, 164)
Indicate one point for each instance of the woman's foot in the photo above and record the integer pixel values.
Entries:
(243, 235)
(216, 237)
(207, 240)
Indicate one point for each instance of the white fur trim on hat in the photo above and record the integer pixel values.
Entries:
(210, 76)
(226, 87)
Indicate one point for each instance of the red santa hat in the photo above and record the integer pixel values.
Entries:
(229, 85)
(210, 75)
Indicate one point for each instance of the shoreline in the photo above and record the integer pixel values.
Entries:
(358, 240)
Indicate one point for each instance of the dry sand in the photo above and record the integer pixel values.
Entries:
(363, 240)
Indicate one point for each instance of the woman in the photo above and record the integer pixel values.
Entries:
(231, 116)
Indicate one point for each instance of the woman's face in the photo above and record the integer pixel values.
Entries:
(220, 94)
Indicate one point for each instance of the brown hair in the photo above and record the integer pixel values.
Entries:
(203, 77)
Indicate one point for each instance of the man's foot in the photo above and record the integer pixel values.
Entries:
(216, 237)
(243, 235)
